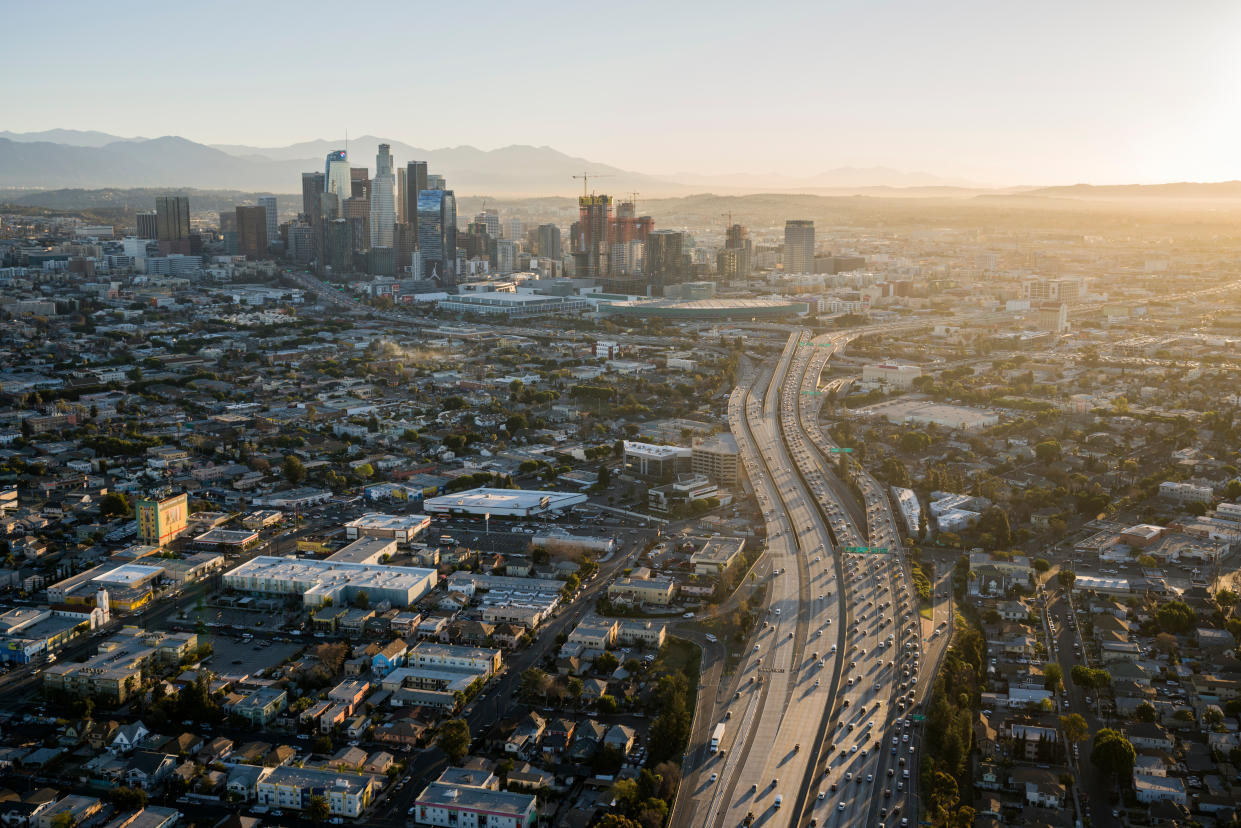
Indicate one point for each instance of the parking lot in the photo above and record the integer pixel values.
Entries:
(232, 656)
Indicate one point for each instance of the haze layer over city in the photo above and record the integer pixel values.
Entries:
(815, 415)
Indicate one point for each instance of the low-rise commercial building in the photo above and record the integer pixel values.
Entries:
(502, 502)
(401, 528)
(641, 588)
(337, 582)
(461, 806)
(648, 461)
(716, 555)
(365, 550)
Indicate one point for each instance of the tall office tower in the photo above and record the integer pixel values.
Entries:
(228, 221)
(401, 175)
(268, 203)
(506, 256)
(338, 245)
(594, 219)
(405, 241)
(301, 243)
(516, 229)
(415, 182)
(360, 183)
(664, 261)
(798, 246)
(172, 224)
(437, 235)
(491, 220)
(336, 177)
(252, 232)
(549, 242)
(435, 182)
(475, 241)
(358, 213)
(148, 224)
(312, 194)
(383, 199)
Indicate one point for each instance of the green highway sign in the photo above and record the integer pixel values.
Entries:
(867, 550)
(918, 717)
(839, 450)
(813, 393)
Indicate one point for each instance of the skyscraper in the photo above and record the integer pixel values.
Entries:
(148, 224)
(491, 220)
(402, 176)
(336, 175)
(360, 183)
(664, 263)
(798, 246)
(436, 182)
(549, 242)
(269, 204)
(312, 194)
(252, 232)
(736, 260)
(172, 218)
(516, 229)
(415, 183)
(437, 234)
(594, 220)
(383, 199)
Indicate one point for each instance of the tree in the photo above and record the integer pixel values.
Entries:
(318, 809)
(1066, 577)
(604, 478)
(362, 600)
(114, 505)
(1146, 712)
(1048, 451)
(128, 799)
(606, 662)
(1075, 727)
(322, 744)
(573, 687)
(994, 521)
(534, 684)
(1113, 753)
(64, 819)
(1053, 676)
(1166, 643)
(1212, 715)
(617, 821)
(293, 469)
(1041, 564)
(454, 739)
(1175, 617)
(606, 704)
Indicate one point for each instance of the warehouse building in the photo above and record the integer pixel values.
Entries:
(319, 582)
(365, 550)
(502, 502)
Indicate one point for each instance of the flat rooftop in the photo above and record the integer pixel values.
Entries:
(655, 450)
(364, 550)
(458, 797)
(503, 500)
(376, 520)
(130, 574)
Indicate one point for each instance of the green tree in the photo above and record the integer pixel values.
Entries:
(114, 505)
(317, 809)
(362, 600)
(606, 662)
(1075, 727)
(604, 478)
(293, 469)
(1048, 451)
(454, 739)
(606, 704)
(1212, 715)
(1176, 617)
(1066, 577)
(1113, 753)
(365, 471)
(533, 685)
(128, 799)
(322, 744)
(64, 819)
(617, 821)
(1053, 676)
(1041, 564)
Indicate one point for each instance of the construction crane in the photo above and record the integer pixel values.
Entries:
(585, 176)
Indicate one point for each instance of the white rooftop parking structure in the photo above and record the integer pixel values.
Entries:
(502, 502)
(320, 581)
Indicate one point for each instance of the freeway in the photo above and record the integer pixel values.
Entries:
(816, 714)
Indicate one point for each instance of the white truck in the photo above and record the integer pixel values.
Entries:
(717, 736)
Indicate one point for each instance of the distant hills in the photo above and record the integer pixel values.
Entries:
(82, 159)
(65, 158)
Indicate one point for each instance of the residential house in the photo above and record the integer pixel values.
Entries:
(621, 738)
(149, 768)
(391, 656)
(127, 737)
(527, 734)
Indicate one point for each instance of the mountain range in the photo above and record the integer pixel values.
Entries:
(74, 158)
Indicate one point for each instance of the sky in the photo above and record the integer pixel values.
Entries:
(998, 93)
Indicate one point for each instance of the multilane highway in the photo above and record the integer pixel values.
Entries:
(812, 707)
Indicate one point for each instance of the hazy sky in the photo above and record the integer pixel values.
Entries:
(998, 92)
